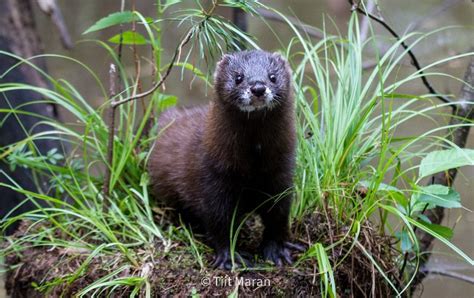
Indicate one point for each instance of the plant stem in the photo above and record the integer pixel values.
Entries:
(110, 145)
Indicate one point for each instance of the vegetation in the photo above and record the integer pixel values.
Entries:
(359, 188)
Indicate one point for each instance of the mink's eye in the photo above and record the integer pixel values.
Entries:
(238, 79)
(272, 78)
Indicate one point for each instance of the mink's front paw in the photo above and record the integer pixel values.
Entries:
(223, 260)
(280, 252)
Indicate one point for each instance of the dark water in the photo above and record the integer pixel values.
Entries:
(402, 15)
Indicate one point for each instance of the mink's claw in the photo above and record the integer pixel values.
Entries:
(277, 253)
(294, 246)
(223, 260)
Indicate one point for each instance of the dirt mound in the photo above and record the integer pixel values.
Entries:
(54, 271)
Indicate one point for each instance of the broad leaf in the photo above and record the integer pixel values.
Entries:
(381, 186)
(424, 218)
(439, 195)
(129, 38)
(443, 231)
(167, 101)
(437, 189)
(406, 244)
(443, 160)
(113, 19)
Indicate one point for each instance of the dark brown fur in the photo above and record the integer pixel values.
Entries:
(209, 161)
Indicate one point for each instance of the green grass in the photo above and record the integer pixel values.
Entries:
(352, 116)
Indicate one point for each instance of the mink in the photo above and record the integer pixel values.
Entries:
(233, 156)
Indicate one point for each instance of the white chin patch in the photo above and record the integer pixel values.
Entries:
(247, 108)
(251, 103)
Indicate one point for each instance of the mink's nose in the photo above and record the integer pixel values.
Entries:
(258, 89)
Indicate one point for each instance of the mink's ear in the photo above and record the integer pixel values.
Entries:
(278, 57)
(225, 60)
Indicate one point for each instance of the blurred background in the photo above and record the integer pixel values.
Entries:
(404, 16)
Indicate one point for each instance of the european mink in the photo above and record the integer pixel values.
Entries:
(233, 155)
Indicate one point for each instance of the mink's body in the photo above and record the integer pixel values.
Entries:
(236, 153)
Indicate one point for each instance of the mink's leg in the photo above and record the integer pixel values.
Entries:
(275, 245)
(218, 227)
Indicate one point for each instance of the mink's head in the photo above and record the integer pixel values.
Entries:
(253, 80)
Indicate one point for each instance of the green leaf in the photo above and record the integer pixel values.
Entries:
(129, 38)
(402, 209)
(406, 244)
(437, 189)
(168, 101)
(408, 220)
(399, 95)
(381, 186)
(424, 218)
(443, 231)
(113, 19)
(389, 191)
(195, 71)
(416, 205)
(443, 160)
(439, 195)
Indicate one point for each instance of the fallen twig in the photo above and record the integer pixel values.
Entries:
(455, 275)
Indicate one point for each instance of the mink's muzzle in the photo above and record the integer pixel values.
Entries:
(258, 89)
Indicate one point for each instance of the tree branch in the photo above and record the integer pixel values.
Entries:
(115, 104)
(412, 56)
(176, 56)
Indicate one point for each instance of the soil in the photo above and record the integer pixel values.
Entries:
(54, 272)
